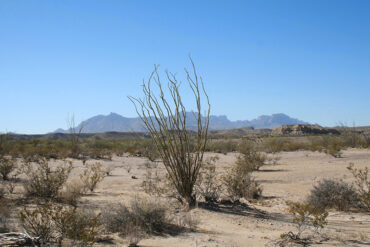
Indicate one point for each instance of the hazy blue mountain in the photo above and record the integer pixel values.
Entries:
(116, 122)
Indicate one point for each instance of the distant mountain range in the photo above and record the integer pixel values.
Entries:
(118, 123)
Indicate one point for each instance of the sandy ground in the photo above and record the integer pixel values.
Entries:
(254, 224)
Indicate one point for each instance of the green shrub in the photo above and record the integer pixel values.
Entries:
(305, 215)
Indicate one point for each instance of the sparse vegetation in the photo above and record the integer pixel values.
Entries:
(328, 144)
(239, 182)
(7, 165)
(92, 175)
(222, 146)
(43, 181)
(4, 214)
(141, 218)
(159, 185)
(249, 158)
(72, 192)
(52, 223)
(305, 216)
(334, 194)
(208, 184)
(362, 181)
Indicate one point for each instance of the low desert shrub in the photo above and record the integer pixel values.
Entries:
(38, 222)
(249, 157)
(362, 181)
(222, 146)
(351, 137)
(141, 218)
(92, 175)
(239, 183)
(44, 181)
(208, 186)
(82, 227)
(142, 148)
(160, 185)
(7, 165)
(305, 216)
(52, 223)
(334, 194)
(331, 145)
(273, 144)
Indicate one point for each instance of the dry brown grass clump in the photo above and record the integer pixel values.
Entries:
(141, 218)
(71, 192)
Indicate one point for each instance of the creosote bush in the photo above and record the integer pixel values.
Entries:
(362, 181)
(44, 181)
(53, 223)
(159, 185)
(208, 185)
(239, 183)
(249, 157)
(334, 194)
(92, 175)
(305, 215)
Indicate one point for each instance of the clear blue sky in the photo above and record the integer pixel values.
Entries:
(308, 59)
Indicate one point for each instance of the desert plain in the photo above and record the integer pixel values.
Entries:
(247, 223)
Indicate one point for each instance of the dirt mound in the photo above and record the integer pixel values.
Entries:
(303, 129)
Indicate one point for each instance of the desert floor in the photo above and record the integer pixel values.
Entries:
(258, 223)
